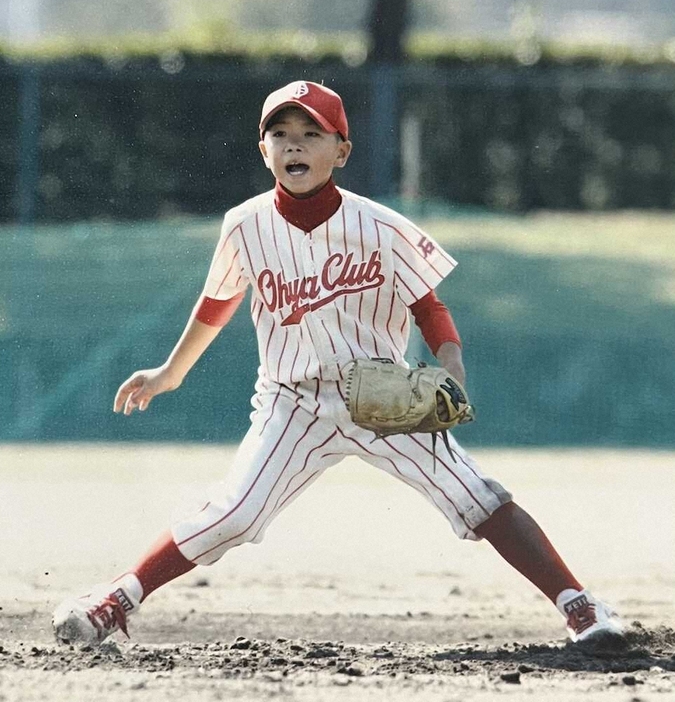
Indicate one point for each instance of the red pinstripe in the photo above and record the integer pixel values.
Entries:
(274, 404)
(248, 492)
(309, 358)
(480, 477)
(269, 340)
(421, 233)
(377, 350)
(411, 245)
(256, 309)
(363, 255)
(290, 495)
(407, 287)
(391, 312)
(316, 398)
(248, 253)
(262, 248)
(412, 270)
(377, 299)
(408, 482)
(379, 331)
(295, 358)
(227, 275)
(330, 338)
(290, 241)
(281, 355)
(339, 389)
(404, 323)
(421, 470)
(222, 246)
(269, 494)
(342, 334)
(344, 228)
(278, 507)
(346, 298)
(311, 336)
(358, 336)
(448, 467)
(274, 236)
(286, 497)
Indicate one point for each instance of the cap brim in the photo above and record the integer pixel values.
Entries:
(321, 121)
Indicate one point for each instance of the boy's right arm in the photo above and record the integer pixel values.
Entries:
(138, 391)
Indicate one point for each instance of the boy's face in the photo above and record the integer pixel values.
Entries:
(300, 154)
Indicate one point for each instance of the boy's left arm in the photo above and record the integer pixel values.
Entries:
(440, 333)
(449, 355)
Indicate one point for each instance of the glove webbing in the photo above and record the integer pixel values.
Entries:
(444, 435)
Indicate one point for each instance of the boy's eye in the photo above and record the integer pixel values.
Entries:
(278, 133)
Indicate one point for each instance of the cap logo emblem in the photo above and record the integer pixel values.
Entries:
(301, 90)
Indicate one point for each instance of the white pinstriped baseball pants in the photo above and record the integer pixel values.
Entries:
(296, 433)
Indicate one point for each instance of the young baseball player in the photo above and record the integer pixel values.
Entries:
(334, 277)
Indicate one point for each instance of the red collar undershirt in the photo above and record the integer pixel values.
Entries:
(308, 213)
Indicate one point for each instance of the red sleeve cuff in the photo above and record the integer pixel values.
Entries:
(435, 322)
(217, 313)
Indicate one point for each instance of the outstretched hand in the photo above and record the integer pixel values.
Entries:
(138, 391)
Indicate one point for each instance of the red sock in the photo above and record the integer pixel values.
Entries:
(161, 564)
(522, 543)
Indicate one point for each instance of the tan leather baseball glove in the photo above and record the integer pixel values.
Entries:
(390, 399)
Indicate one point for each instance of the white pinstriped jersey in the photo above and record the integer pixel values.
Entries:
(323, 298)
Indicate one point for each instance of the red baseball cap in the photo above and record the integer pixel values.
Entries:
(322, 104)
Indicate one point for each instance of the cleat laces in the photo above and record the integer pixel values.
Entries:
(108, 616)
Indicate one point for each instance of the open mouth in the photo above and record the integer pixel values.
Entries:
(297, 169)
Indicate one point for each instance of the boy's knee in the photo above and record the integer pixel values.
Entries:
(206, 537)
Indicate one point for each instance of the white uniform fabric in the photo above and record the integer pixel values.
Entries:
(299, 431)
(321, 299)
(325, 297)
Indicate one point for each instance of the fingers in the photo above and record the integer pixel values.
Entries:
(129, 395)
(123, 393)
(136, 401)
(139, 390)
(139, 399)
(130, 405)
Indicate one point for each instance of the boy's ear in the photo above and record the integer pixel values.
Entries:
(263, 151)
(344, 149)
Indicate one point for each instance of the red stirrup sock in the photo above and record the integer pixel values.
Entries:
(523, 544)
(163, 563)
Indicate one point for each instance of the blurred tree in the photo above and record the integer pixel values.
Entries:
(645, 21)
(387, 25)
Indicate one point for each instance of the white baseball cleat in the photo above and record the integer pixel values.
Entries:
(90, 619)
(588, 619)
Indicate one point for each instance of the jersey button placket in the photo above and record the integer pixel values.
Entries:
(322, 345)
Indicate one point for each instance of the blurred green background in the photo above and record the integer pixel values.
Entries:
(536, 141)
(567, 323)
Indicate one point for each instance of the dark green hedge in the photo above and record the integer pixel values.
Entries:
(151, 136)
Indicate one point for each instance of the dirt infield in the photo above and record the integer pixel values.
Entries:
(359, 592)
